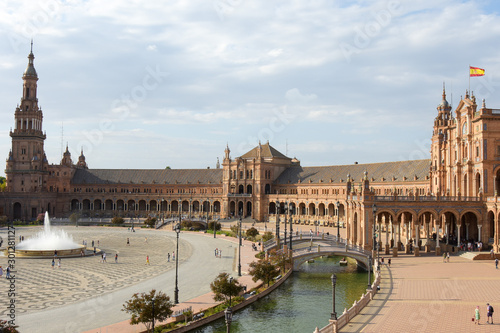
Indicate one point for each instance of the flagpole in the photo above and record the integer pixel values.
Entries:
(469, 79)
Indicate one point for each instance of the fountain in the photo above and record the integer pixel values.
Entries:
(47, 241)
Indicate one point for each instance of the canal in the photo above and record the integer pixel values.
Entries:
(302, 302)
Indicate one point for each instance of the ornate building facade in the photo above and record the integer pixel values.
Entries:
(452, 194)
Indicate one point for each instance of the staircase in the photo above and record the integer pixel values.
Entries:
(469, 255)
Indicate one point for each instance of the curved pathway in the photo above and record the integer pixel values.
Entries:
(86, 293)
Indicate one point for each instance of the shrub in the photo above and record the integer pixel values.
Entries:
(252, 232)
(267, 236)
(117, 220)
(211, 225)
(150, 222)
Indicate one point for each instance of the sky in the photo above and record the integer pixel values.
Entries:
(150, 84)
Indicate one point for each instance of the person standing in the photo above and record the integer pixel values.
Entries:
(477, 316)
(53, 263)
(496, 263)
(116, 258)
(389, 262)
(8, 273)
(1, 271)
(489, 313)
(448, 257)
(173, 255)
(59, 263)
(104, 257)
(444, 256)
(147, 260)
(168, 256)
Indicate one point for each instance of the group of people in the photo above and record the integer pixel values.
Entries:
(7, 272)
(446, 256)
(218, 253)
(489, 314)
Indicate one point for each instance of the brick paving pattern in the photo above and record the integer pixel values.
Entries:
(40, 287)
(423, 294)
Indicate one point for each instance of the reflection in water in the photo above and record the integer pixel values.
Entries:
(303, 302)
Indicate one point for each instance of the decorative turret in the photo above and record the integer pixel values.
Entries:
(66, 160)
(81, 161)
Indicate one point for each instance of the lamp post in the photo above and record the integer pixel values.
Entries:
(291, 227)
(277, 222)
(153, 306)
(176, 290)
(215, 222)
(239, 252)
(370, 272)
(374, 234)
(286, 216)
(228, 314)
(334, 282)
(337, 204)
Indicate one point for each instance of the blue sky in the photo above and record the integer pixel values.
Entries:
(150, 84)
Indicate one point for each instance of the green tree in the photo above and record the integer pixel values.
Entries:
(140, 306)
(5, 327)
(211, 225)
(117, 220)
(3, 184)
(168, 168)
(74, 218)
(280, 259)
(252, 232)
(225, 287)
(263, 270)
(267, 236)
(150, 221)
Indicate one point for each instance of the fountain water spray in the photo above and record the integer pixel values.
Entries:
(49, 240)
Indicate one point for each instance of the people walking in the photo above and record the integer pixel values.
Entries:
(116, 258)
(104, 257)
(173, 255)
(147, 260)
(496, 263)
(444, 256)
(168, 256)
(489, 313)
(59, 263)
(53, 263)
(477, 316)
(448, 257)
(389, 262)
(8, 273)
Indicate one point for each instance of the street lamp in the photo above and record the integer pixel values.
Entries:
(176, 290)
(286, 216)
(228, 313)
(370, 272)
(230, 289)
(215, 222)
(153, 304)
(239, 252)
(334, 282)
(337, 204)
(374, 222)
(277, 222)
(291, 227)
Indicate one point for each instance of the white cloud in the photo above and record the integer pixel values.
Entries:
(233, 69)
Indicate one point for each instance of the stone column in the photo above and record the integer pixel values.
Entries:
(408, 236)
(395, 248)
(458, 236)
(387, 225)
(447, 234)
(438, 248)
(400, 224)
(380, 233)
(417, 238)
(496, 246)
(479, 236)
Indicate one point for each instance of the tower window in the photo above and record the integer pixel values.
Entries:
(23, 151)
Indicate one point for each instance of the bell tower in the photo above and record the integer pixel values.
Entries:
(26, 167)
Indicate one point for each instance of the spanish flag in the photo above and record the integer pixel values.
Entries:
(476, 71)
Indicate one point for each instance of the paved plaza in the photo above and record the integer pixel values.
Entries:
(423, 294)
(86, 293)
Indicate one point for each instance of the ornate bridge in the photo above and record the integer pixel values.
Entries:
(322, 245)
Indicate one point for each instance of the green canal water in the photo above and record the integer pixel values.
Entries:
(302, 302)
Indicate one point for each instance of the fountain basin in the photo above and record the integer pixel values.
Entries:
(76, 252)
